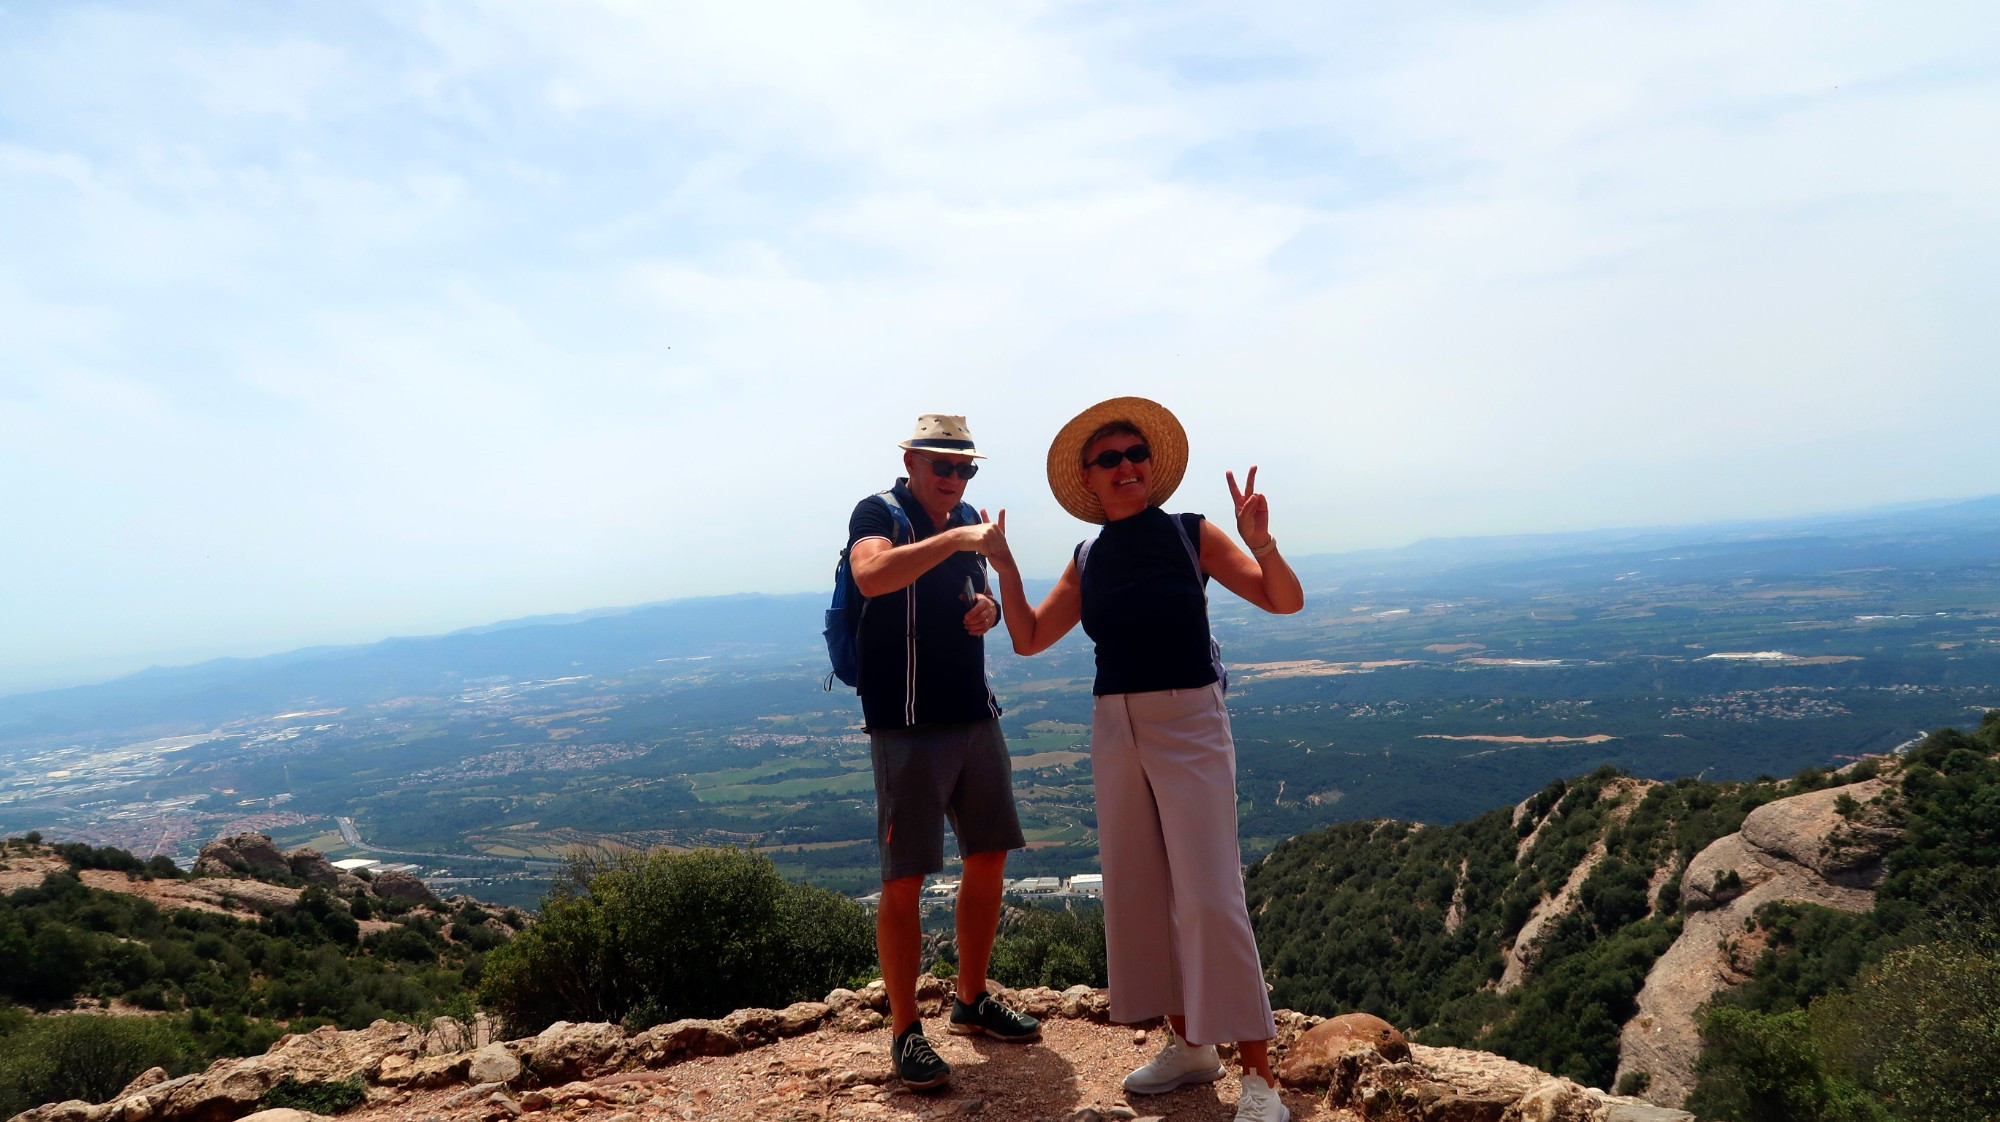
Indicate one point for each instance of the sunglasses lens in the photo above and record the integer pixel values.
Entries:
(1111, 457)
(967, 471)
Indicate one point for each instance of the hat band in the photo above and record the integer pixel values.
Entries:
(940, 443)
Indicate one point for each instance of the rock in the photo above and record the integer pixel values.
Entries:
(1085, 1114)
(447, 1036)
(1553, 1100)
(347, 884)
(565, 1051)
(471, 1094)
(1036, 1001)
(151, 1077)
(536, 1100)
(841, 1000)
(422, 1071)
(313, 867)
(1644, 1112)
(801, 1017)
(493, 1064)
(876, 995)
(282, 1114)
(1786, 850)
(754, 1027)
(665, 1044)
(1310, 1062)
(931, 994)
(403, 886)
(244, 853)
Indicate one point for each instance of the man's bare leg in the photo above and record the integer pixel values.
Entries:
(899, 940)
(978, 914)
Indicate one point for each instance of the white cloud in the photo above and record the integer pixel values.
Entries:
(321, 324)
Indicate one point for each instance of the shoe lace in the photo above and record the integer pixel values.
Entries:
(917, 1047)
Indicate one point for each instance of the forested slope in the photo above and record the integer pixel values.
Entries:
(1530, 931)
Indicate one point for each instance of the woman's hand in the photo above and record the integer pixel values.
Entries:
(1253, 514)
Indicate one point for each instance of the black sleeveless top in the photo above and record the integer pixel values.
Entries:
(1144, 605)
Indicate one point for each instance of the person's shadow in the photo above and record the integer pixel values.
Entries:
(1000, 1072)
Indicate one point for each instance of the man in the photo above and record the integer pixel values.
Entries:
(934, 730)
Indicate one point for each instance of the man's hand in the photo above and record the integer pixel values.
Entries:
(988, 539)
(984, 613)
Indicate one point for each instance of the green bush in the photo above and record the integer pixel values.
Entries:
(83, 1056)
(669, 935)
(1050, 947)
(332, 1096)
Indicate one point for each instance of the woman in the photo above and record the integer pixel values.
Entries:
(1161, 753)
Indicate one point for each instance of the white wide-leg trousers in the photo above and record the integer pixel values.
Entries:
(1177, 932)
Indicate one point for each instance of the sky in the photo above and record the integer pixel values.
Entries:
(321, 323)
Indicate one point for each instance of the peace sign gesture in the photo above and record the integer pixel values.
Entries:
(1253, 514)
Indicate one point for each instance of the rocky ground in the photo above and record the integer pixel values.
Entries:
(822, 1060)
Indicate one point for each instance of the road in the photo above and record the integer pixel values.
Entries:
(352, 836)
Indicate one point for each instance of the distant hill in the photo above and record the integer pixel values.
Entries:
(752, 629)
(742, 629)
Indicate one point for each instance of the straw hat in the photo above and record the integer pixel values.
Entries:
(1164, 435)
(942, 432)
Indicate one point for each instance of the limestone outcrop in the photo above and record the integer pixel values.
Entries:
(253, 854)
(1801, 848)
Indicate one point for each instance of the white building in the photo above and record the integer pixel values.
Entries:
(1036, 886)
(1087, 884)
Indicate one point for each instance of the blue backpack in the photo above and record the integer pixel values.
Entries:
(843, 615)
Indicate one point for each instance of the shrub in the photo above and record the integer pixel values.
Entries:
(329, 1097)
(669, 935)
(85, 1056)
(1050, 947)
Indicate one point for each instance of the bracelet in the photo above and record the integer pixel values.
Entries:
(1269, 547)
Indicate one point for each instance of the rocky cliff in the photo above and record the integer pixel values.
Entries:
(1796, 849)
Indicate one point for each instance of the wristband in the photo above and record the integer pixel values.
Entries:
(1269, 547)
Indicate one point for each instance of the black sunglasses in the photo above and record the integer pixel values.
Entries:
(1110, 457)
(943, 468)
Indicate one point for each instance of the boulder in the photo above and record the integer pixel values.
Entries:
(494, 1064)
(151, 1077)
(801, 1017)
(665, 1044)
(446, 1036)
(876, 995)
(347, 884)
(312, 866)
(567, 1051)
(1311, 1061)
(403, 886)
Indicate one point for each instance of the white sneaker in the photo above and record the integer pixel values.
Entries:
(1259, 1102)
(1177, 1065)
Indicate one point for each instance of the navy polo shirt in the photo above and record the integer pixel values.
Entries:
(918, 663)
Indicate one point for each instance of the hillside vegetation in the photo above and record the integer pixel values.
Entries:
(1530, 932)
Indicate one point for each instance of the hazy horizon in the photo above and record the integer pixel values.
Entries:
(325, 323)
(121, 666)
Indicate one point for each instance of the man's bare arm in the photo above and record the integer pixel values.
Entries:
(881, 568)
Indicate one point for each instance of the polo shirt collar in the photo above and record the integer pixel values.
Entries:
(920, 519)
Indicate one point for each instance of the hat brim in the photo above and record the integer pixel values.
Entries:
(914, 445)
(1164, 435)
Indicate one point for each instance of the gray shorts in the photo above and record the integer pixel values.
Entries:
(930, 773)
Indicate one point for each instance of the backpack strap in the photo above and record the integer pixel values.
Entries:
(1194, 554)
(900, 516)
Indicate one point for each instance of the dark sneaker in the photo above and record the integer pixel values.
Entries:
(916, 1064)
(994, 1019)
